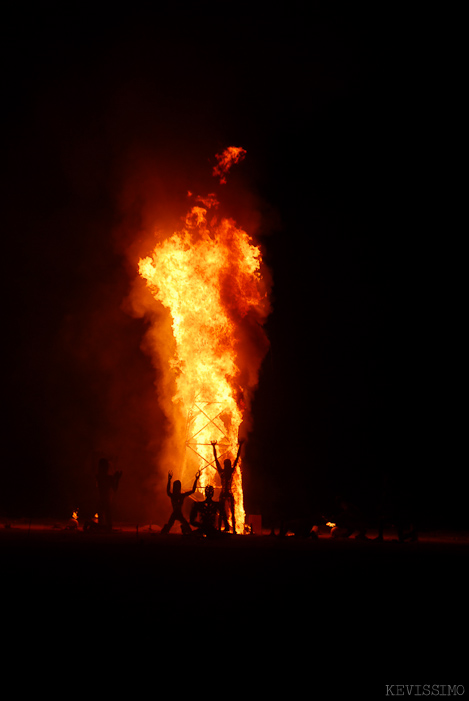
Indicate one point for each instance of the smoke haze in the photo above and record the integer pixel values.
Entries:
(101, 163)
(108, 122)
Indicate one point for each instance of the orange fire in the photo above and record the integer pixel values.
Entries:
(231, 155)
(209, 275)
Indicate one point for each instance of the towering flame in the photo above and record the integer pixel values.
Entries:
(209, 275)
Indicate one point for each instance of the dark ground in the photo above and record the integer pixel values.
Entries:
(277, 610)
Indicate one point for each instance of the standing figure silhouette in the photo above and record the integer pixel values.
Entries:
(107, 484)
(226, 475)
(177, 500)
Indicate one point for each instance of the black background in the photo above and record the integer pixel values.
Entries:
(106, 118)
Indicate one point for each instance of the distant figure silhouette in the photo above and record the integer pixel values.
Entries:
(107, 485)
(204, 514)
(349, 519)
(226, 475)
(406, 514)
(177, 500)
(398, 507)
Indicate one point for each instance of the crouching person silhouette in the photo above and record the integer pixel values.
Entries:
(177, 500)
(204, 515)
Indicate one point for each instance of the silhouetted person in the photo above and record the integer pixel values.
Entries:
(226, 475)
(177, 500)
(107, 485)
(349, 519)
(204, 514)
(406, 516)
(384, 504)
(398, 507)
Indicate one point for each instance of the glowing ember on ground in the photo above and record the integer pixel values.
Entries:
(209, 277)
(73, 520)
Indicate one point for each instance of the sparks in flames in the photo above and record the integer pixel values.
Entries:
(209, 275)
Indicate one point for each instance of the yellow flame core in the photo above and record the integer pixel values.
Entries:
(208, 276)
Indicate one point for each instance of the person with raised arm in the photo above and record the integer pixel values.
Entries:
(226, 475)
(177, 500)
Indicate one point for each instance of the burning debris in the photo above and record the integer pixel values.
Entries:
(73, 521)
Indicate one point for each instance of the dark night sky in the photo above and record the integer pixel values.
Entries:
(326, 113)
